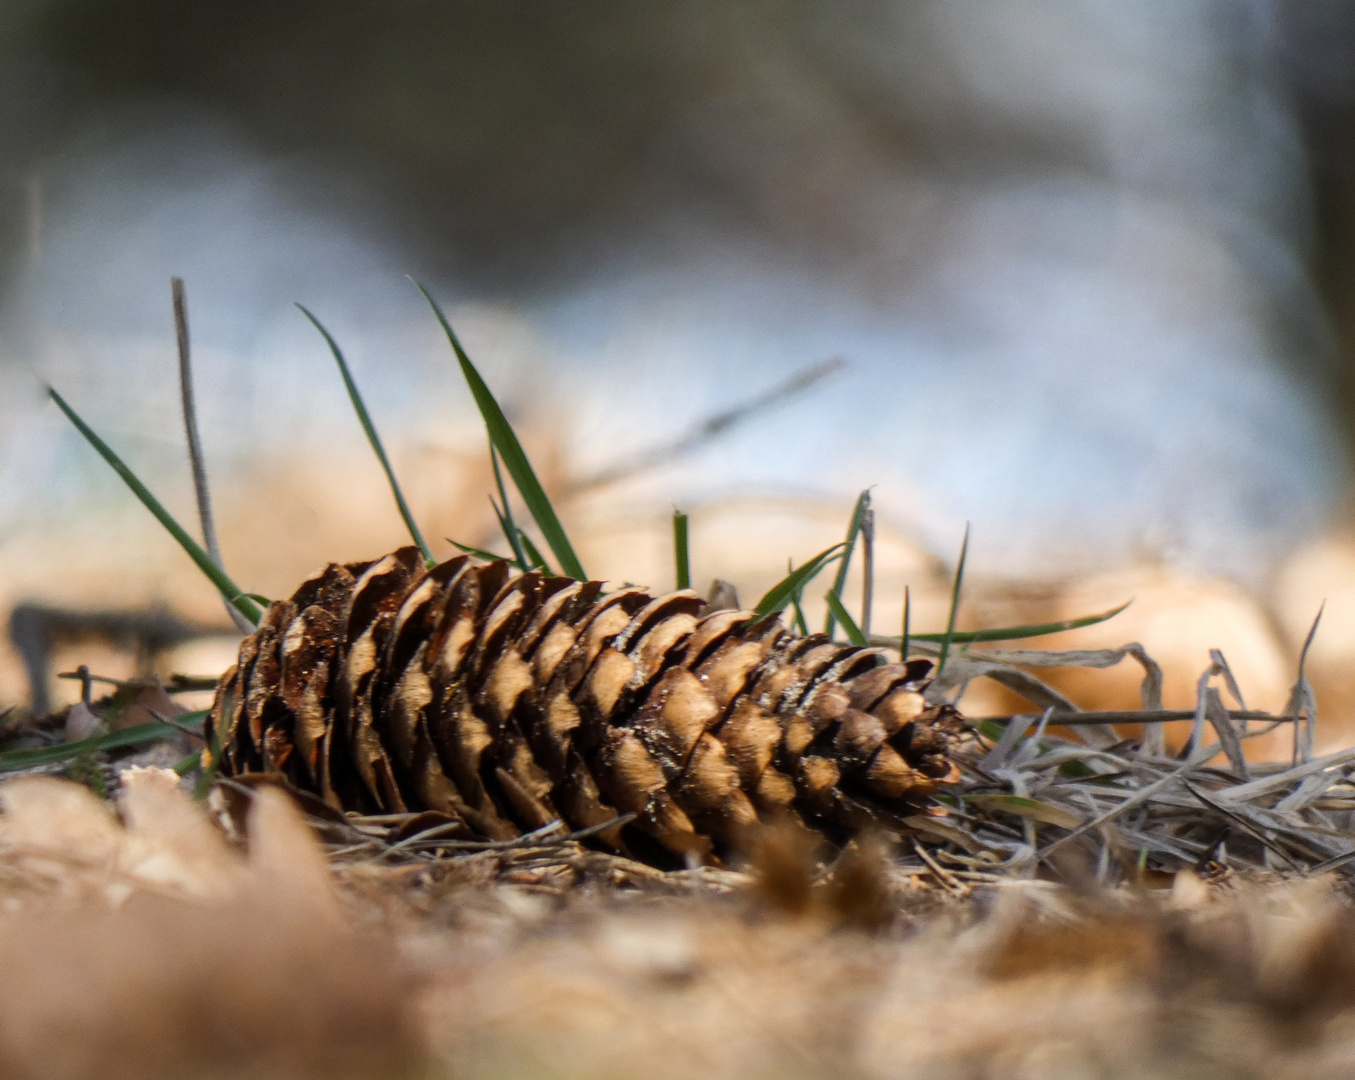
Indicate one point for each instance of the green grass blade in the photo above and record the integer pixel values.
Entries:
(853, 531)
(534, 558)
(949, 635)
(867, 569)
(132, 736)
(793, 584)
(365, 419)
(504, 512)
(854, 634)
(797, 612)
(905, 640)
(212, 763)
(1015, 633)
(503, 437)
(186, 765)
(509, 530)
(1023, 806)
(237, 599)
(479, 553)
(681, 550)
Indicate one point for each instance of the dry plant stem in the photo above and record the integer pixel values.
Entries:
(193, 732)
(1136, 716)
(1242, 823)
(195, 456)
(710, 428)
(1303, 700)
(944, 876)
(1228, 678)
(553, 834)
(1174, 812)
(1028, 795)
(190, 420)
(1141, 796)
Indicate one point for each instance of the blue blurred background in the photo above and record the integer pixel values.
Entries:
(1089, 263)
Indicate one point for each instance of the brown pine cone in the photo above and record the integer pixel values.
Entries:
(506, 701)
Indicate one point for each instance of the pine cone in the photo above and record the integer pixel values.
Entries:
(506, 701)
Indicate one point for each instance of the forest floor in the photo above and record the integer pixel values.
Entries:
(154, 935)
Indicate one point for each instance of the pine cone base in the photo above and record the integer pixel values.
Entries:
(505, 701)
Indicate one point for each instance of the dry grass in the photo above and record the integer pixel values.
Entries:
(143, 946)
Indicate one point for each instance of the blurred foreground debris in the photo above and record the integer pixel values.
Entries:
(140, 940)
(136, 943)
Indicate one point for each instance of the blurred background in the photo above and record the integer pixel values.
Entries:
(1089, 266)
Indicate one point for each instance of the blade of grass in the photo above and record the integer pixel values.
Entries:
(373, 438)
(186, 765)
(479, 553)
(238, 600)
(365, 419)
(504, 512)
(840, 581)
(510, 531)
(954, 603)
(211, 759)
(514, 457)
(797, 612)
(789, 587)
(854, 634)
(1015, 633)
(132, 736)
(904, 641)
(867, 568)
(533, 555)
(681, 554)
